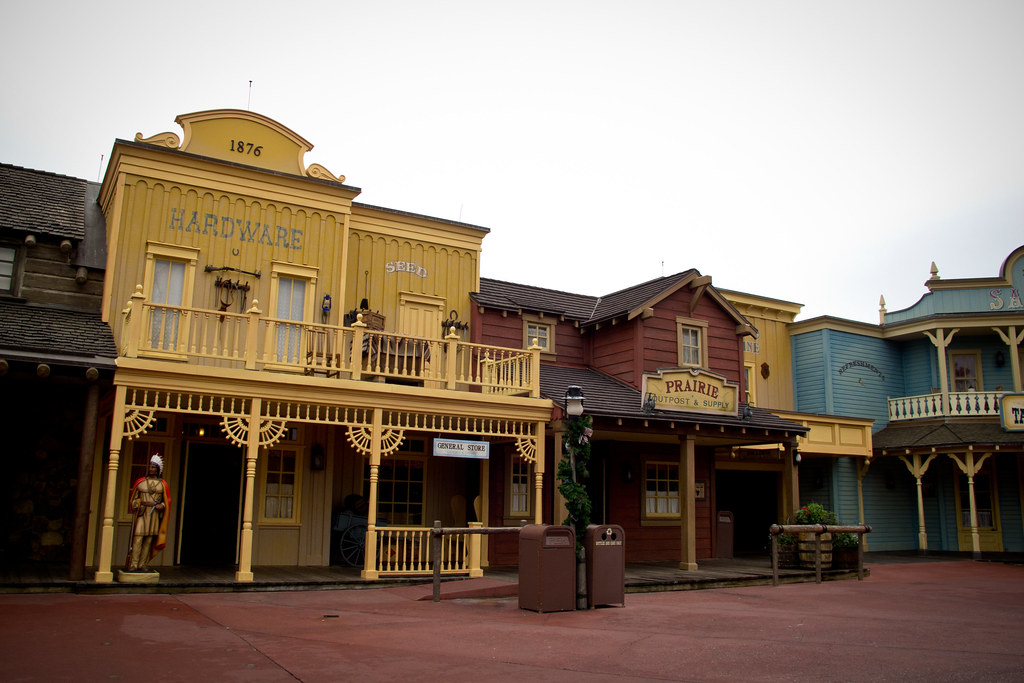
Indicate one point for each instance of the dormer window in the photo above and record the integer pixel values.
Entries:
(541, 331)
(7, 257)
(691, 339)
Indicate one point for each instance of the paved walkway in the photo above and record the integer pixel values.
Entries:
(923, 621)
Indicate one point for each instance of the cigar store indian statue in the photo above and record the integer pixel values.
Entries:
(150, 500)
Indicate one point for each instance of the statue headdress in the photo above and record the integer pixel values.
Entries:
(159, 462)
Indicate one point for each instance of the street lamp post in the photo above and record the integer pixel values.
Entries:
(572, 471)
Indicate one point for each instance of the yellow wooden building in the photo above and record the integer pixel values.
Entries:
(294, 355)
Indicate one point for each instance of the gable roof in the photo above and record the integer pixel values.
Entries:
(590, 310)
(42, 203)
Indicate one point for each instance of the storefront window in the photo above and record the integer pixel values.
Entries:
(280, 487)
(520, 476)
(661, 489)
(399, 490)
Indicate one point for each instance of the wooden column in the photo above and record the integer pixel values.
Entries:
(790, 482)
(1013, 340)
(86, 454)
(917, 468)
(941, 340)
(971, 467)
(370, 551)
(252, 450)
(538, 476)
(862, 471)
(687, 504)
(103, 572)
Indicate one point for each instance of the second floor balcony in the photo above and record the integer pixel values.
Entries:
(951, 404)
(255, 341)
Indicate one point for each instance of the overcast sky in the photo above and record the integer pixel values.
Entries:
(821, 152)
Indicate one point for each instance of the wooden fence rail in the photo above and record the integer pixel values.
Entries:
(437, 532)
(817, 530)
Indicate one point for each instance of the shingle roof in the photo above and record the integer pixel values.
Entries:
(937, 434)
(509, 296)
(41, 330)
(41, 202)
(625, 300)
(608, 397)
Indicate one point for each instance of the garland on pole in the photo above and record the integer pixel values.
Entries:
(572, 472)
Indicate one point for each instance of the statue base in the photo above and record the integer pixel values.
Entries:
(138, 577)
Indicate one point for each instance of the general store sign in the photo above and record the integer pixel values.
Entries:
(1012, 411)
(457, 448)
(691, 390)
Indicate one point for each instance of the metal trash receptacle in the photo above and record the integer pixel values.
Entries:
(726, 534)
(547, 568)
(606, 565)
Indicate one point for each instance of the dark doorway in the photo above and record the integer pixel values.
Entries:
(210, 505)
(752, 497)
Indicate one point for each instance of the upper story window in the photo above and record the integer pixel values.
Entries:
(7, 259)
(966, 370)
(536, 329)
(691, 338)
(170, 276)
(291, 300)
(750, 387)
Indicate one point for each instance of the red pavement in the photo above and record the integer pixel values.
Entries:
(932, 621)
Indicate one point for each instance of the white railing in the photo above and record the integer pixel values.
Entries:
(405, 550)
(954, 404)
(258, 342)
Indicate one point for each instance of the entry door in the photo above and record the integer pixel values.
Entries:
(211, 509)
(420, 315)
(988, 511)
(752, 497)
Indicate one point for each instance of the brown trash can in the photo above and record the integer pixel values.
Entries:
(547, 568)
(605, 546)
(726, 535)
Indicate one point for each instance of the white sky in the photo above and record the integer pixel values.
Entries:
(821, 152)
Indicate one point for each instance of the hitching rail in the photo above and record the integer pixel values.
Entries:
(817, 530)
(437, 531)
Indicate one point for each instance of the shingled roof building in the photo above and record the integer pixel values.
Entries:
(682, 458)
(56, 360)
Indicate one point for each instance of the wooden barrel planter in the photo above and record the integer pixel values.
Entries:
(845, 557)
(806, 548)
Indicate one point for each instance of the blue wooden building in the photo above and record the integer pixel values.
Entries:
(942, 382)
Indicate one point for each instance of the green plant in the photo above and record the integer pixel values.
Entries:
(572, 472)
(845, 540)
(815, 513)
(786, 541)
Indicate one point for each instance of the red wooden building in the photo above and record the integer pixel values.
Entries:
(661, 365)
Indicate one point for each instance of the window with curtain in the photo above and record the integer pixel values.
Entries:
(291, 302)
(280, 487)
(661, 489)
(167, 290)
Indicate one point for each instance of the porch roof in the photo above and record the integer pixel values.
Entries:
(945, 434)
(609, 397)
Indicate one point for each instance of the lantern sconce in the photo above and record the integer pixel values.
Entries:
(316, 458)
(1000, 359)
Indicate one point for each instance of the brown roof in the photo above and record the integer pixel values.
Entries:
(42, 203)
(931, 434)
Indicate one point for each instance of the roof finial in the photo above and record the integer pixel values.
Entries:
(935, 272)
(881, 309)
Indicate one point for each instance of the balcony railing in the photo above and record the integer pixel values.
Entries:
(953, 404)
(255, 341)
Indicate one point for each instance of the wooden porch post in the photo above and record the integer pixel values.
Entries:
(971, 467)
(862, 471)
(370, 551)
(687, 504)
(538, 476)
(917, 468)
(790, 482)
(244, 573)
(103, 572)
(1013, 340)
(941, 340)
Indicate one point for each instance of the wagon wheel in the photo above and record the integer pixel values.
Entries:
(351, 545)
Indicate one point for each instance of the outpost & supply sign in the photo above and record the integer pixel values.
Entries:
(690, 391)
